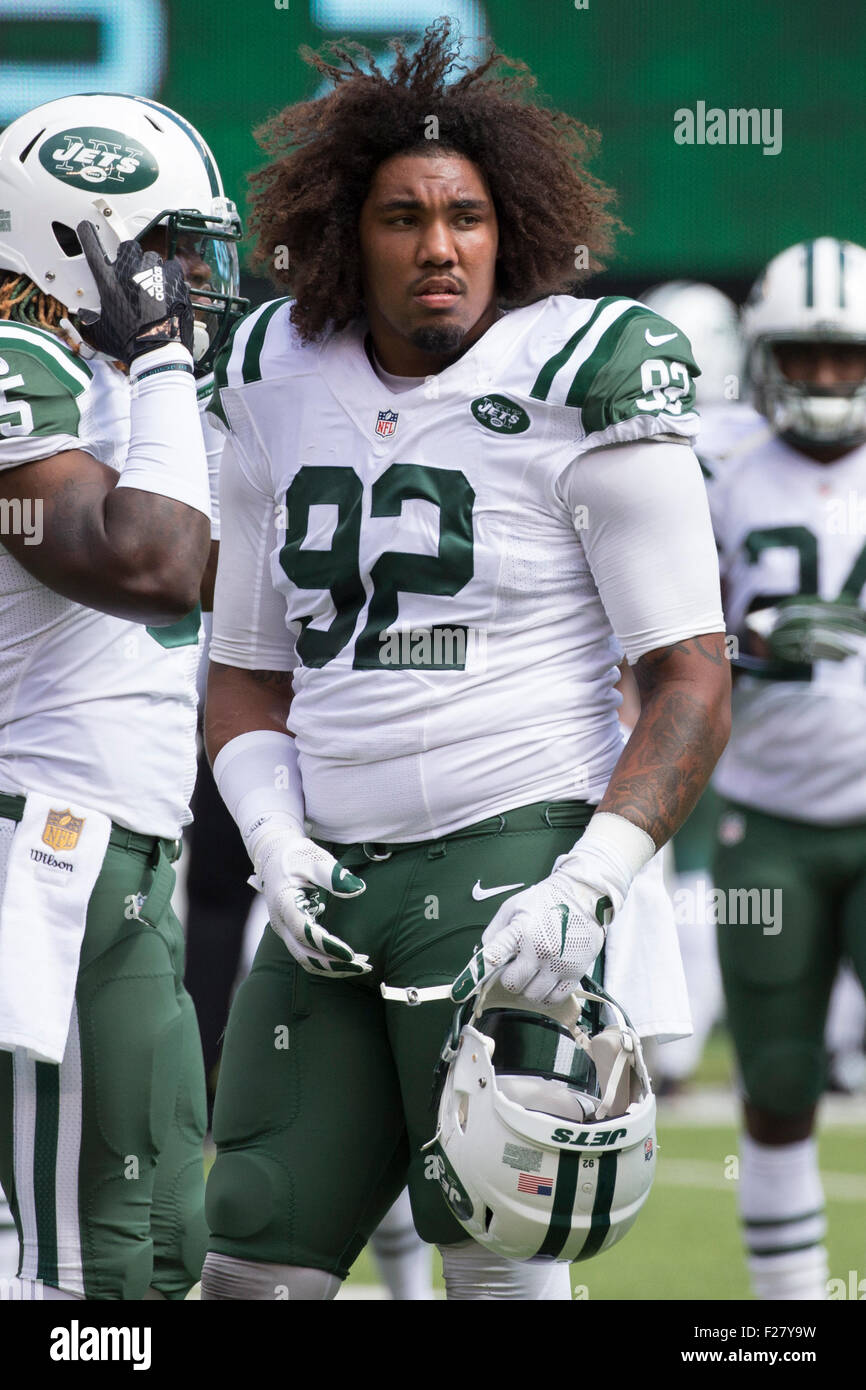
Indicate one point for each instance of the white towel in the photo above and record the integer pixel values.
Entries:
(54, 861)
(643, 970)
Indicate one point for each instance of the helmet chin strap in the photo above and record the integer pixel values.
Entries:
(200, 340)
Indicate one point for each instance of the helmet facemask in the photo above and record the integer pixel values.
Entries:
(545, 1144)
(806, 414)
(206, 246)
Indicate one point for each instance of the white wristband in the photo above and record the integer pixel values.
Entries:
(166, 451)
(259, 780)
(611, 851)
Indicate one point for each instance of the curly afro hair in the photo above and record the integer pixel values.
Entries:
(306, 204)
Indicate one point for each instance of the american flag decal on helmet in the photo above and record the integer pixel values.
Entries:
(541, 1186)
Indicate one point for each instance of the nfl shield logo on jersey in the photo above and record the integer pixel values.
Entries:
(387, 422)
(62, 830)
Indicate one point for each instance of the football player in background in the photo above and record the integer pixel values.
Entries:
(437, 439)
(106, 538)
(790, 521)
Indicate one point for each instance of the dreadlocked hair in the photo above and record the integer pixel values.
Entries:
(306, 203)
(24, 302)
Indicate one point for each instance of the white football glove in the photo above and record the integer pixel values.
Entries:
(551, 934)
(291, 870)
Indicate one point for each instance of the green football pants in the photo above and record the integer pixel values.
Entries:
(326, 1091)
(101, 1157)
(779, 955)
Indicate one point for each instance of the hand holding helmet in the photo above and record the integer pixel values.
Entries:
(144, 300)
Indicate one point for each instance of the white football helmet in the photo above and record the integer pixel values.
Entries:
(545, 1145)
(126, 164)
(710, 321)
(813, 292)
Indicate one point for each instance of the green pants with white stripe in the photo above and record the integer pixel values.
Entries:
(326, 1091)
(101, 1157)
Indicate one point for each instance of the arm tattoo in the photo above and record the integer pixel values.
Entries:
(677, 740)
(272, 680)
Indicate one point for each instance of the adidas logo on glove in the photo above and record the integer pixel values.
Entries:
(152, 281)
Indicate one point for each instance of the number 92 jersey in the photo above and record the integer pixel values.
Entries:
(451, 654)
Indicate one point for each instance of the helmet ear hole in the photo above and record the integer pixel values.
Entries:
(488, 1220)
(66, 239)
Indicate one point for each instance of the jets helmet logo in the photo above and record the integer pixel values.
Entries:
(152, 282)
(91, 157)
(62, 829)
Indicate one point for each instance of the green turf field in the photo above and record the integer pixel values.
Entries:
(686, 1243)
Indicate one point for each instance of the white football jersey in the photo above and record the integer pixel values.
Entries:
(420, 559)
(91, 707)
(787, 525)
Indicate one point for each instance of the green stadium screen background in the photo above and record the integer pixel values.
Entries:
(625, 67)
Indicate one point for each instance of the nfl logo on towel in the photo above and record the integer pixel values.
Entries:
(62, 830)
(387, 422)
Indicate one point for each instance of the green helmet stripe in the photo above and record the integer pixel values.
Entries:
(810, 274)
(600, 1222)
(559, 1228)
(544, 380)
(210, 167)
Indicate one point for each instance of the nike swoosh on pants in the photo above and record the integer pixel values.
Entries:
(479, 893)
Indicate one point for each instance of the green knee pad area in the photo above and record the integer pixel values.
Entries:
(784, 1077)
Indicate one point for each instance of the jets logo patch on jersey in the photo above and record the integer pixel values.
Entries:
(386, 424)
(152, 282)
(500, 414)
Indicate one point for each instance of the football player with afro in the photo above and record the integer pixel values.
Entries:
(452, 494)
